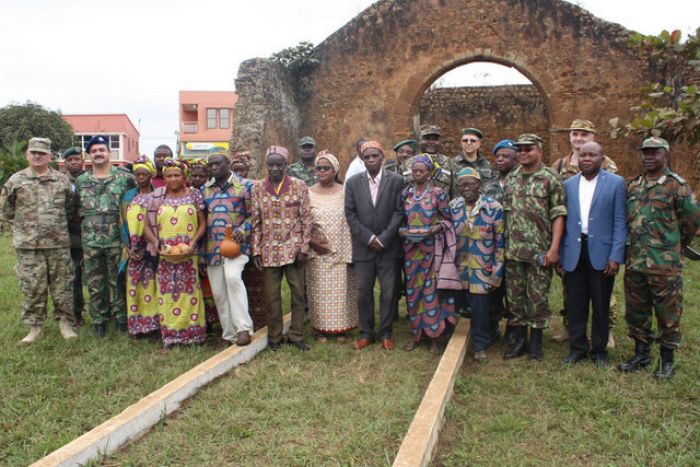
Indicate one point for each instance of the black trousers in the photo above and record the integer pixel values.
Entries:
(386, 271)
(586, 285)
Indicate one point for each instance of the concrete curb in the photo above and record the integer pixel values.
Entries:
(136, 419)
(418, 444)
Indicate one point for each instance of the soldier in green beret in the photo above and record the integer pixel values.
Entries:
(444, 172)
(534, 203)
(304, 168)
(404, 150)
(100, 190)
(663, 217)
(74, 163)
(38, 203)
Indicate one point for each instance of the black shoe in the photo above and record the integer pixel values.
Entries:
(510, 335)
(666, 367)
(274, 346)
(299, 345)
(536, 352)
(518, 347)
(122, 328)
(601, 361)
(574, 358)
(99, 330)
(640, 359)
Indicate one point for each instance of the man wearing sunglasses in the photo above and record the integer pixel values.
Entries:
(472, 157)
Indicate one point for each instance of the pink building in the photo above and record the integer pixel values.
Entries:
(205, 121)
(123, 135)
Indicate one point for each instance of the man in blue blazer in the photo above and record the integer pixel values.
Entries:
(592, 250)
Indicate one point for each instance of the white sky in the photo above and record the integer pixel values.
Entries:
(133, 56)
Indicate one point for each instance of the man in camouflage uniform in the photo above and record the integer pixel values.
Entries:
(444, 173)
(663, 217)
(581, 132)
(534, 203)
(304, 169)
(74, 164)
(101, 190)
(38, 202)
(471, 156)
(404, 150)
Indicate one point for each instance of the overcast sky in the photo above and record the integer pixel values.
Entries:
(133, 56)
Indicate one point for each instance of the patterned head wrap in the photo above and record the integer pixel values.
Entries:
(330, 158)
(425, 160)
(468, 172)
(171, 163)
(200, 162)
(371, 145)
(279, 150)
(143, 162)
(242, 158)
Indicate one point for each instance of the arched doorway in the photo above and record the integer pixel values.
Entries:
(498, 99)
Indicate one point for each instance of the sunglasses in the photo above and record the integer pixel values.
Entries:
(470, 140)
(323, 168)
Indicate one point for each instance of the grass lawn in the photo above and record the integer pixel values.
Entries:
(521, 413)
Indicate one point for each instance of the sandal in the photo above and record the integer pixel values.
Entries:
(411, 345)
(321, 338)
(434, 346)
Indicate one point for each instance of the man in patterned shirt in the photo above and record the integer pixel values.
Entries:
(228, 200)
(281, 230)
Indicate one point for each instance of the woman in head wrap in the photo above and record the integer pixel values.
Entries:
(176, 223)
(199, 173)
(139, 263)
(241, 163)
(333, 296)
(427, 216)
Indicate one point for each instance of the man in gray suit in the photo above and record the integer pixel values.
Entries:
(374, 212)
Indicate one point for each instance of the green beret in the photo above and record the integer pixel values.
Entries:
(410, 142)
(473, 131)
(74, 151)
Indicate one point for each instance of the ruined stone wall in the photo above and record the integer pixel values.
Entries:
(500, 112)
(269, 113)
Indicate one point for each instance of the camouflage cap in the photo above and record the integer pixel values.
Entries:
(307, 140)
(74, 151)
(39, 145)
(527, 139)
(430, 130)
(653, 143)
(473, 131)
(581, 124)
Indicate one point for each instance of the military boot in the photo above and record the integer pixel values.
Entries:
(121, 327)
(99, 329)
(518, 347)
(536, 352)
(66, 329)
(639, 360)
(510, 335)
(34, 334)
(666, 367)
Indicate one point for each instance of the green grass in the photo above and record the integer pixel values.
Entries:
(521, 413)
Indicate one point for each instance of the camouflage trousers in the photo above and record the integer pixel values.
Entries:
(100, 270)
(40, 272)
(663, 294)
(612, 317)
(78, 299)
(527, 292)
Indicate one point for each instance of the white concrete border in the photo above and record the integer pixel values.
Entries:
(136, 419)
(420, 440)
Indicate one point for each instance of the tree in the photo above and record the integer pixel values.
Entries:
(12, 160)
(298, 59)
(19, 122)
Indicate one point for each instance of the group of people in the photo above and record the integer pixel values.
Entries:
(454, 235)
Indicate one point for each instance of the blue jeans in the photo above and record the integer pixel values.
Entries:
(479, 331)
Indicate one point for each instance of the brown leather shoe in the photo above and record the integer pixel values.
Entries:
(360, 344)
(243, 338)
(387, 344)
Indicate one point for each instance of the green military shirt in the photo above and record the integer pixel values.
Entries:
(566, 169)
(444, 174)
(531, 202)
(663, 216)
(39, 209)
(490, 185)
(99, 206)
(300, 171)
(74, 224)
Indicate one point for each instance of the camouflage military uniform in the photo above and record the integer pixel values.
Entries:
(444, 175)
(490, 184)
(76, 254)
(300, 171)
(566, 170)
(99, 209)
(531, 203)
(39, 209)
(663, 216)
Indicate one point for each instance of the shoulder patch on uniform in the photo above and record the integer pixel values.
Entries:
(678, 178)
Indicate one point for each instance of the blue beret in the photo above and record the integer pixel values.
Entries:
(97, 139)
(506, 143)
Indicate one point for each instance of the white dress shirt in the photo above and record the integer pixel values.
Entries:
(356, 167)
(586, 188)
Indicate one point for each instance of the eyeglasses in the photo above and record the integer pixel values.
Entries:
(470, 140)
(323, 168)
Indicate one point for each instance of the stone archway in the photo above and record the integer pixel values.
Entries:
(372, 71)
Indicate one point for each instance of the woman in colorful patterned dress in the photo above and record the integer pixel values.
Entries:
(427, 215)
(140, 268)
(176, 217)
(332, 290)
